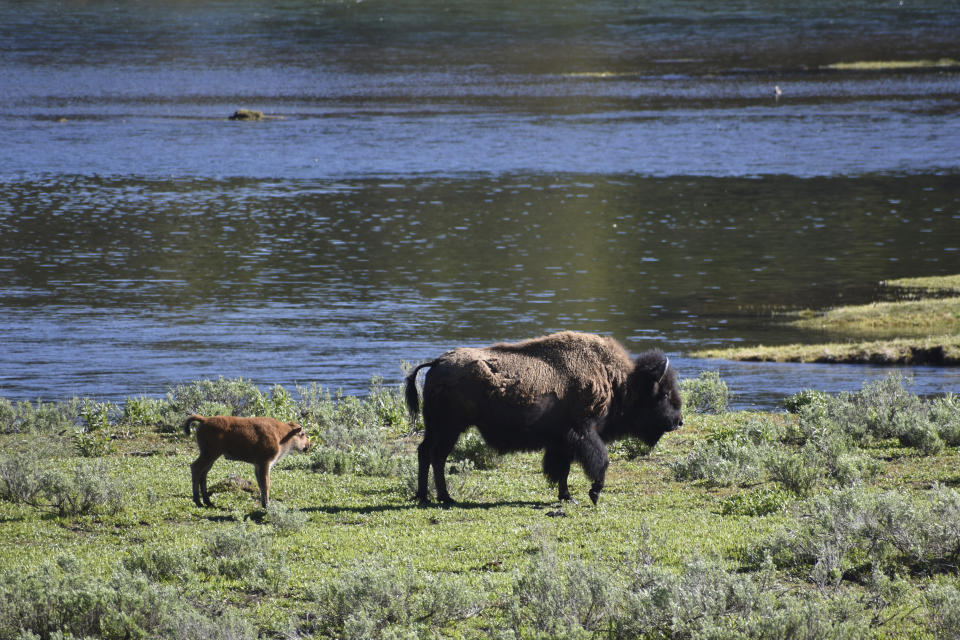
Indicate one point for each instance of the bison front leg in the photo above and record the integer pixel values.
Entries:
(556, 466)
(593, 457)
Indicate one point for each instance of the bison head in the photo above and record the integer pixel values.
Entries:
(653, 398)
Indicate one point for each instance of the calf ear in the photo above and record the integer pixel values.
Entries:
(292, 433)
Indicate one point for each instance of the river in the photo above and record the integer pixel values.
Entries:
(435, 174)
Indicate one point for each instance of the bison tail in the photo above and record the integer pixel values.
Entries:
(413, 398)
(193, 418)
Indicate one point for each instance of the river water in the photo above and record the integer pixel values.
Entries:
(436, 174)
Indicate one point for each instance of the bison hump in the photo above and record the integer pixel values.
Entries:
(581, 373)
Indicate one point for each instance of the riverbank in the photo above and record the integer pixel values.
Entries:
(922, 330)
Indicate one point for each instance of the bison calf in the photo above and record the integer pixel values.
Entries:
(566, 394)
(259, 441)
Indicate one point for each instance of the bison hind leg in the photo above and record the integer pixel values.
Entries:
(438, 441)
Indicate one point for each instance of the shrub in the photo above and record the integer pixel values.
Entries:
(22, 478)
(558, 599)
(706, 394)
(146, 412)
(92, 437)
(160, 564)
(472, 447)
(44, 418)
(52, 602)
(880, 410)
(943, 608)
(390, 406)
(214, 397)
(278, 404)
(234, 553)
(372, 601)
(848, 533)
(759, 502)
(804, 398)
(721, 463)
(284, 519)
(88, 489)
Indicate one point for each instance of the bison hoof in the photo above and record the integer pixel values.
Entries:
(594, 495)
(569, 498)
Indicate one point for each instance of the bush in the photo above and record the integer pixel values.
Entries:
(558, 599)
(22, 478)
(88, 489)
(371, 601)
(44, 418)
(722, 463)
(805, 398)
(759, 502)
(285, 520)
(943, 608)
(214, 397)
(847, 534)
(880, 410)
(160, 564)
(64, 602)
(471, 447)
(243, 554)
(706, 394)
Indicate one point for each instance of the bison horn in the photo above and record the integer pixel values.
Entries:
(666, 367)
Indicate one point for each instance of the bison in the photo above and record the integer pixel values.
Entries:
(259, 441)
(567, 394)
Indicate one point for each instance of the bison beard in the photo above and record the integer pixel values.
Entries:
(566, 394)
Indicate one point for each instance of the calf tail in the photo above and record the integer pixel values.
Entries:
(193, 418)
(413, 398)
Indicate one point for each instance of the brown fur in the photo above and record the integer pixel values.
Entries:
(567, 394)
(259, 441)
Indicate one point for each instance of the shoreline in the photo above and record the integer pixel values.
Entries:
(916, 331)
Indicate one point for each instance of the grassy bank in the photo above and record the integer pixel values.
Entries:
(935, 350)
(838, 519)
(922, 330)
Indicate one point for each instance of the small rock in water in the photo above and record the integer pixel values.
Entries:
(247, 114)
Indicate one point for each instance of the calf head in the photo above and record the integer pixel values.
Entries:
(296, 439)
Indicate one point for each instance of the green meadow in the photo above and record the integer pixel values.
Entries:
(835, 518)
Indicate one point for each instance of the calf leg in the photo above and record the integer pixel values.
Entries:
(198, 474)
(263, 481)
(593, 457)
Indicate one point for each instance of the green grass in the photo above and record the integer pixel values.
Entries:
(921, 331)
(935, 350)
(351, 554)
(933, 284)
(888, 319)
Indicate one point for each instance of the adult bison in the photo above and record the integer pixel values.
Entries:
(567, 394)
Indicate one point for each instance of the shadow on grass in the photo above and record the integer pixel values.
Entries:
(381, 508)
